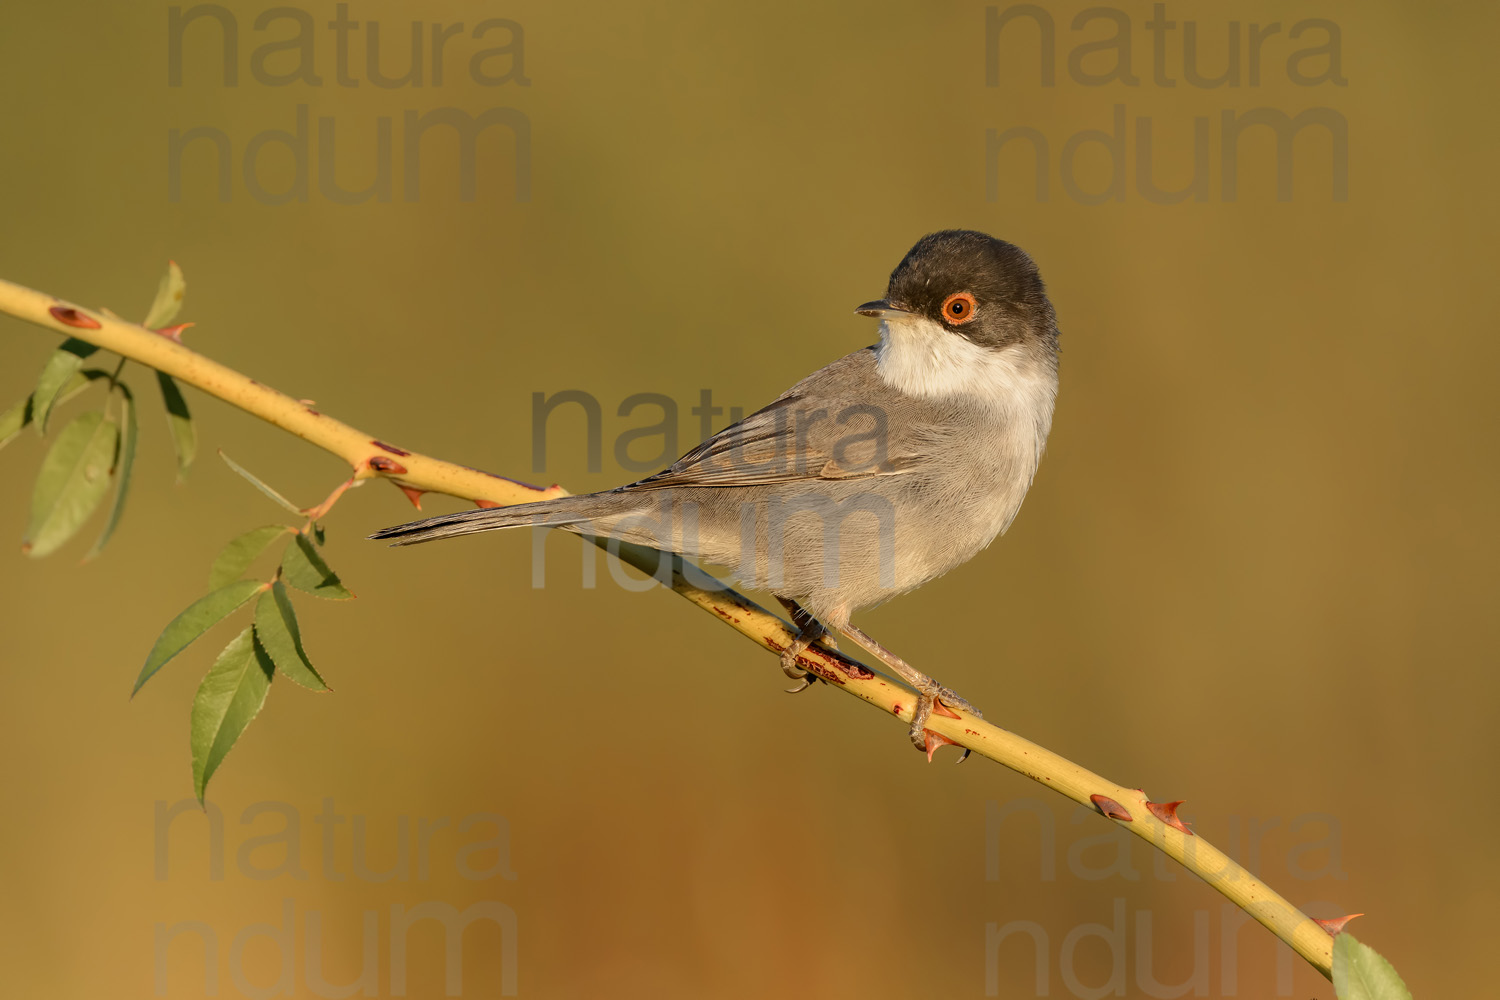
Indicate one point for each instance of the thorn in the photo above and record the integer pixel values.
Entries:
(413, 494)
(1110, 807)
(173, 332)
(1167, 813)
(68, 316)
(935, 740)
(938, 708)
(390, 448)
(486, 503)
(897, 708)
(382, 464)
(308, 402)
(1335, 927)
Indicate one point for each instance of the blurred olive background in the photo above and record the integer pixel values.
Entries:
(1256, 571)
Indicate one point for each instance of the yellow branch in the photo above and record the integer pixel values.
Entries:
(371, 458)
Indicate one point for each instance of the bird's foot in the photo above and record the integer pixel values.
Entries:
(789, 664)
(934, 699)
(809, 631)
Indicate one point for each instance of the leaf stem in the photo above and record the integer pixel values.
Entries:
(320, 511)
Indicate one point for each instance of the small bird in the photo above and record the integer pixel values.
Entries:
(868, 478)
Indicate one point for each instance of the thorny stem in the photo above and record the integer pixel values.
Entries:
(370, 458)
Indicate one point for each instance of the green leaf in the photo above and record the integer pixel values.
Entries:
(318, 535)
(14, 420)
(276, 628)
(229, 698)
(1360, 973)
(121, 471)
(168, 301)
(57, 374)
(304, 568)
(237, 556)
(200, 616)
(260, 485)
(72, 481)
(180, 422)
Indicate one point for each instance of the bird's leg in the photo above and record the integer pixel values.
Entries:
(809, 631)
(931, 696)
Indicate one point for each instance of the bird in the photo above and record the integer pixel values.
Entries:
(870, 477)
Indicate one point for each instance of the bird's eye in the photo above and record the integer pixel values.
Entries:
(958, 307)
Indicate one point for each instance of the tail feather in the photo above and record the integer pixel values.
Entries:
(467, 522)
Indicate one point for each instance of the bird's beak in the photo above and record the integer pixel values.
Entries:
(881, 309)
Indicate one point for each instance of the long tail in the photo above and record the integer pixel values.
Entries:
(545, 513)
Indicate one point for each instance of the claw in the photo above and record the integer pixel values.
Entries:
(807, 682)
(789, 665)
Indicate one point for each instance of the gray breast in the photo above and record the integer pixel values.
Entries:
(889, 490)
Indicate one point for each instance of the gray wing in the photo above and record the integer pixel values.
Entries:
(833, 425)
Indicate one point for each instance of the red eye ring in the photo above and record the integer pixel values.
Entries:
(959, 308)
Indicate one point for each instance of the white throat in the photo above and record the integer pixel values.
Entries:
(920, 357)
